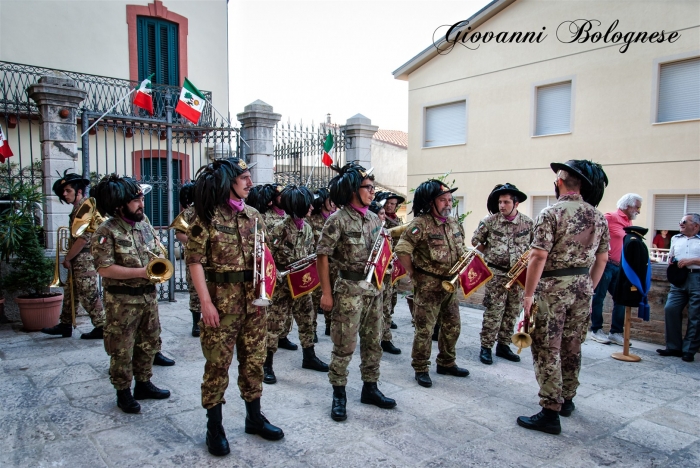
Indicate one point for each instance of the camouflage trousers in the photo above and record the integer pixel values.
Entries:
(561, 324)
(85, 294)
(355, 311)
(431, 303)
(245, 332)
(131, 337)
(194, 297)
(388, 303)
(316, 298)
(280, 313)
(502, 310)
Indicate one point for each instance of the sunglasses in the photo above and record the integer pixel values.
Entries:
(370, 188)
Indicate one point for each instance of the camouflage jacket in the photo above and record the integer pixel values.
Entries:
(288, 244)
(116, 242)
(390, 223)
(272, 218)
(316, 222)
(434, 245)
(83, 263)
(347, 238)
(505, 241)
(573, 233)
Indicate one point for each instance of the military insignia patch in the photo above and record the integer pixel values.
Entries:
(331, 229)
(275, 242)
(242, 165)
(415, 230)
(196, 231)
(102, 239)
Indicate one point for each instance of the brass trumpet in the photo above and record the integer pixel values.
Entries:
(458, 268)
(373, 259)
(522, 338)
(396, 231)
(518, 268)
(259, 270)
(298, 265)
(179, 223)
(63, 245)
(159, 270)
(87, 218)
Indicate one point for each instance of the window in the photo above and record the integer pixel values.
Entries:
(679, 91)
(553, 109)
(669, 210)
(446, 124)
(158, 50)
(539, 203)
(154, 172)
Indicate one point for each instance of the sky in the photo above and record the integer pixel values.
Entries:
(311, 58)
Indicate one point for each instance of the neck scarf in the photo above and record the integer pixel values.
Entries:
(236, 205)
(279, 211)
(129, 222)
(298, 222)
(362, 210)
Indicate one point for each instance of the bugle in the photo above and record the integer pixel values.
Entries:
(518, 268)
(396, 231)
(373, 259)
(63, 245)
(298, 265)
(263, 300)
(451, 285)
(87, 218)
(159, 270)
(521, 338)
(180, 224)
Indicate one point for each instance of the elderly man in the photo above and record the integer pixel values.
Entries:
(628, 208)
(685, 249)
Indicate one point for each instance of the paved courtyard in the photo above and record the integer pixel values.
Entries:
(57, 408)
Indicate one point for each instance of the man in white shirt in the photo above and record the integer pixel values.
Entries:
(685, 249)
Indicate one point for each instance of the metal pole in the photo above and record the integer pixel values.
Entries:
(85, 149)
(170, 191)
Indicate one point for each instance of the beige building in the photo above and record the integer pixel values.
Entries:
(495, 111)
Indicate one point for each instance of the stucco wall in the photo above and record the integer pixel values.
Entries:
(389, 162)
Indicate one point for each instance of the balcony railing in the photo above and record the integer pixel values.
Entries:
(102, 93)
(658, 255)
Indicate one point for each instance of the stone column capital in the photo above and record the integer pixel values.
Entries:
(56, 91)
(258, 114)
(257, 130)
(359, 131)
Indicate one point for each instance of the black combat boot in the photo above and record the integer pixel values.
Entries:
(196, 317)
(485, 356)
(338, 412)
(567, 408)
(148, 391)
(97, 333)
(436, 331)
(284, 343)
(504, 351)
(423, 379)
(268, 371)
(257, 423)
(393, 326)
(546, 420)
(126, 402)
(452, 370)
(312, 362)
(216, 437)
(63, 329)
(388, 347)
(372, 396)
(160, 360)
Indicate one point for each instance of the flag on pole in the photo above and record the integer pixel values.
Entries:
(5, 151)
(191, 102)
(143, 98)
(304, 281)
(474, 276)
(383, 262)
(397, 272)
(327, 158)
(270, 273)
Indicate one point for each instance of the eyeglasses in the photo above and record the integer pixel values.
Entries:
(370, 188)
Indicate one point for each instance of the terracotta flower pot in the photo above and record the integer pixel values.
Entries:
(40, 312)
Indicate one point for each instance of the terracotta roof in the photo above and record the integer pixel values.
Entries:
(395, 137)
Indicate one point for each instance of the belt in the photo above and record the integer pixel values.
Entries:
(351, 275)
(565, 272)
(614, 262)
(432, 275)
(131, 291)
(693, 270)
(229, 276)
(498, 267)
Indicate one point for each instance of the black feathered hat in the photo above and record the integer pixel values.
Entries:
(296, 201)
(503, 189)
(74, 180)
(592, 176)
(112, 192)
(427, 192)
(376, 206)
(269, 193)
(320, 197)
(387, 195)
(240, 166)
(255, 199)
(187, 194)
(213, 186)
(347, 182)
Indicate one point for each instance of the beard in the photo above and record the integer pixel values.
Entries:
(446, 212)
(133, 216)
(633, 216)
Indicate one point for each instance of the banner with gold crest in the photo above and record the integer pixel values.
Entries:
(398, 271)
(270, 273)
(303, 281)
(474, 276)
(382, 262)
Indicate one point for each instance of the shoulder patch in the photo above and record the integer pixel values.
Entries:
(415, 230)
(331, 229)
(276, 241)
(196, 231)
(102, 240)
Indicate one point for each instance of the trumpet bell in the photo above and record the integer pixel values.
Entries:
(521, 340)
(87, 218)
(179, 224)
(262, 301)
(159, 270)
(450, 286)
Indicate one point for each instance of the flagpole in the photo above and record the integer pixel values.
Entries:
(312, 171)
(107, 112)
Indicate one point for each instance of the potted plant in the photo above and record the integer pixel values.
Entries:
(31, 272)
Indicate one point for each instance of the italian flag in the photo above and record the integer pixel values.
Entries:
(5, 151)
(327, 158)
(143, 98)
(191, 102)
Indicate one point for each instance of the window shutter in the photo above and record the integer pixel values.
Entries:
(158, 50)
(668, 211)
(553, 112)
(693, 204)
(446, 124)
(539, 204)
(679, 91)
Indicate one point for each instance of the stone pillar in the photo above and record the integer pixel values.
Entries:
(257, 129)
(58, 99)
(358, 139)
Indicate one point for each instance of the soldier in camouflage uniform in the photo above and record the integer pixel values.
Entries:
(435, 240)
(323, 208)
(391, 204)
(347, 238)
(290, 241)
(569, 252)
(121, 247)
(71, 189)
(503, 237)
(220, 255)
(188, 215)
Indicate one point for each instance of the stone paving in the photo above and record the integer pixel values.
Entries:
(58, 409)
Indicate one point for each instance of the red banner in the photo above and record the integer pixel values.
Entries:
(397, 272)
(383, 262)
(303, 281)
(476, 275)
(270, 273)
(521, 279)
